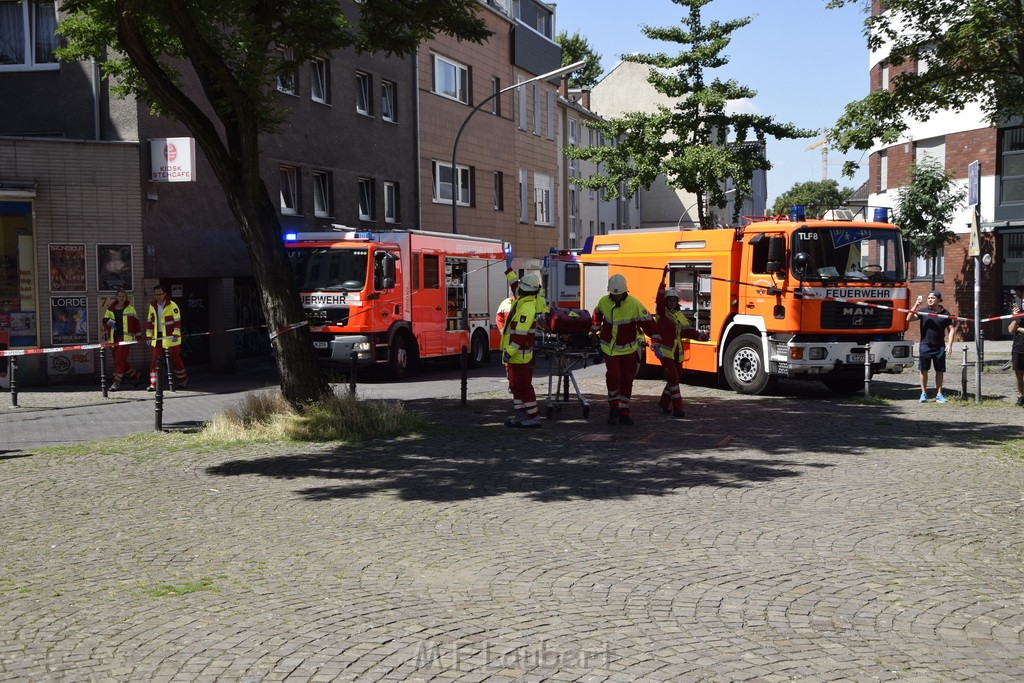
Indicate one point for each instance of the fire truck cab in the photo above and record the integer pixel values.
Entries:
(392, 298)
(801, 299)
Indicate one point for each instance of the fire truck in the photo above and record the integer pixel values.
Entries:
(394, 297)
(777, 298)
(561, 275)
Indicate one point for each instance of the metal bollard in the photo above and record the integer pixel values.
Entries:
(103, 372)
(158, 403)
(464, 365)
(353, 365)
(167, 365)
(867, 370)
(963, 373)
(13, 370)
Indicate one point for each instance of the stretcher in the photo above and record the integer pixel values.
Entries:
(563, 335)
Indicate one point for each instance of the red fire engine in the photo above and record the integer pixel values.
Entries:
(394, 297)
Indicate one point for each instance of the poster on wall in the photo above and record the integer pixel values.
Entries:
(114, 267)
(67, 267)
(69, 320)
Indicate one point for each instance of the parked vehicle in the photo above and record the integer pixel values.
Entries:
(561, 275)
(392, 298)
(776, 298)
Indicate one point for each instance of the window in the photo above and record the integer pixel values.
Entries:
(523, 202)
(542, 198)
(321, 194)
(1012, 165)
(496, 102)
(318, 90)
(536, 110)
(499, 191)
(431, 271)
(390, 202)
(923, 266)
(366, 199)
(536, 16)
(443, 184)
(363, 93)
(450, 79)
(286, 75)
(289, 190)
(387, 101)
(550, 96)
(885, 76)
(932, 148)
(573, 131)
(521, 104)
(27, 35)
(883, 171)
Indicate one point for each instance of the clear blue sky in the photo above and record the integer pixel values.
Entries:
(805, 62)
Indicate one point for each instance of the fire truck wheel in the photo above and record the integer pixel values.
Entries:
(398, 357)
(479, 354)
(744, 365)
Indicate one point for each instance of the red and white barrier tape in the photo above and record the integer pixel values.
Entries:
(294, 326)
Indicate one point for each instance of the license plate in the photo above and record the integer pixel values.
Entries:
(323, 345)
(857, 358)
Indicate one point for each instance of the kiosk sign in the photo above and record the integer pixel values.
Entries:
(172, 160)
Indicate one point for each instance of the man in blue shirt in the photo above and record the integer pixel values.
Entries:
(937, 330)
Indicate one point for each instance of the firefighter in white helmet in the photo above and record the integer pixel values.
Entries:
(616, 325)
(518, 335)
(674, 328)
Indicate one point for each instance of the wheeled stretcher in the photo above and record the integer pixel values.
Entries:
(564, 337)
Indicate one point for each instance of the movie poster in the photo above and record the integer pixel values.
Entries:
(114, 267)
(67, 267)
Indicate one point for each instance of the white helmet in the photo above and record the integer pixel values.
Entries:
(617, 284)
(673, 292)
(530, 283)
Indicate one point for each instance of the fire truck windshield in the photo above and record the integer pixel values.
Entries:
(848, 253)
(329, 270)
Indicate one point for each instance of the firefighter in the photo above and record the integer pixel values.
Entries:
(616, 325)
(163, 330)
(518, 335)
(674, 327)
(121, 324)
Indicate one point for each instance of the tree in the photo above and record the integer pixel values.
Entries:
(696, 144)
(227, 46)
(817, 195)
(576, 48)
(971, 51)
(925, 208)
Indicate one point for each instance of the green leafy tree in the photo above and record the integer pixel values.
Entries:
(971, 51)
(817, 195)
(152, 48)
(696, 144)
(925, 208)
(575, 48)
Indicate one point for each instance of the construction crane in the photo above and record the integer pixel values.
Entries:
(823, 143)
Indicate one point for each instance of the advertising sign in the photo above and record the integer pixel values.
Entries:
(67, 267)
(172, 160)
(69, 320)
(113, 267)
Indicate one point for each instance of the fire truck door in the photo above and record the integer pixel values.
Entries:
(428, 304)
(754, 297)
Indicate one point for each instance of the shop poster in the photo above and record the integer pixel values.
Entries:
(67, 267)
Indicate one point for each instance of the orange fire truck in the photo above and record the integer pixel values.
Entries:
(394, 297)
(776, 298)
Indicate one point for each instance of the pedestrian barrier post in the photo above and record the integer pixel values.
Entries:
(963, 373)
(353, 365)
(979, 364)
(464, 365)
(167, 366)
(14, 381)
(103, 372)
(158, 403)
(867, 370)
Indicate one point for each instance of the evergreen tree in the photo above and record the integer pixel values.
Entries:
(696, 144)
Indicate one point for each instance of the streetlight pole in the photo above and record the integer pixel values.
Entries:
(561, 71)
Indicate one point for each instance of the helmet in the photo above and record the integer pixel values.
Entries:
(673, 292)
(617, 284)
(530, 283)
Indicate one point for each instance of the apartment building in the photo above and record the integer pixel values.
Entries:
(956, 140)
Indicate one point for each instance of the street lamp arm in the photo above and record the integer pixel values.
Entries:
(455, 147)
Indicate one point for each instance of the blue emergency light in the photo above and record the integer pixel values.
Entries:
(796, 213)
(291, 236)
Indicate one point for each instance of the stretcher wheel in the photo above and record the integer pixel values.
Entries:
(586, 412)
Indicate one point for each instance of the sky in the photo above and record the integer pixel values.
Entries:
(806, 63)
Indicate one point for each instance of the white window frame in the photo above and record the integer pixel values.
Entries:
(923, 266)
(29, 39)
(883, 171)
(319, 89)
(442, 168)
(391, 197)
(388, 101)
(363, 82)
(542, 191)
(536, 110)
(521, 103)
(366, 199)
(550, 97)
(286, 83)
(499, 191)
(524, 205)
(444, 70)
(573, 128)
(289, 190)
(322, 204)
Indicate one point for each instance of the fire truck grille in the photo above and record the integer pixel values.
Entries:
(839, 315)
(327, 316)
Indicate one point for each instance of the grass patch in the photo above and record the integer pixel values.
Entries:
(266, 416)
(170, 590)
(1013, 448)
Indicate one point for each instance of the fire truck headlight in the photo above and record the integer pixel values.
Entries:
(817, 353)
(901, 352)
(361, 346)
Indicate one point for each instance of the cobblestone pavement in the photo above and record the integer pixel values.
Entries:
(800, 536)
